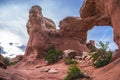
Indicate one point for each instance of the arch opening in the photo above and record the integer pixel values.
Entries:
(104, 34)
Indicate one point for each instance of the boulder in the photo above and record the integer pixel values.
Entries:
(70, 54)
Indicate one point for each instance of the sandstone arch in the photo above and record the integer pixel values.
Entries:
(106, 12)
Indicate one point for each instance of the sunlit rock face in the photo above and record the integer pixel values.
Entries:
(43, 35)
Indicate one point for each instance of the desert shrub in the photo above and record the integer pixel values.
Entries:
(12, 63)
(103, 61)
(102, 57)
(53, 56)
(7, 62)
(69, 61)
(74, 73)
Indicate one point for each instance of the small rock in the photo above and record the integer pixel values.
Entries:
(84, 55)
(30, 69)
(53, 70)
(78, 57)
(46, 70)
(47, 63)
(70, 54)
(37, 66)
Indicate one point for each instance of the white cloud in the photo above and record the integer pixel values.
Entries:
(6, 38)
(13, 19)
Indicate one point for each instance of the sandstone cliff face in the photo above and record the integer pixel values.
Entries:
(43, 35)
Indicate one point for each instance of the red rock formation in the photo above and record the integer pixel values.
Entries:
(43, 35)
(72, 35)
(105, 12)
(73, 30)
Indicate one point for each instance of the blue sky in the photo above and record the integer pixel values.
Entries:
(14, 16)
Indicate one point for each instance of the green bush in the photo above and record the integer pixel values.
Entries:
(7, 62)
(74, 73)
(103, 62)
(102, 57)
(53, 56)
(69, 61)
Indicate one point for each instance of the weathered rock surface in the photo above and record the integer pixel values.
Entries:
(9, 74)
(111, 72)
